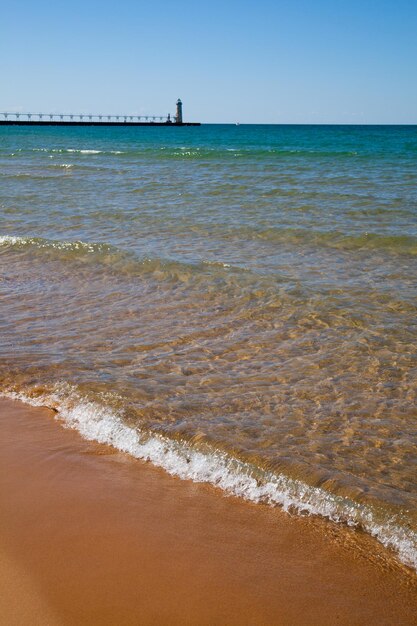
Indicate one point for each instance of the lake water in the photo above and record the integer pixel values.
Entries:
(236, 304)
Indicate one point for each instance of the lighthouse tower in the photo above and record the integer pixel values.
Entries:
(178, 117)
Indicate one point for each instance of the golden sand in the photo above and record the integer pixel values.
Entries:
(92, 536)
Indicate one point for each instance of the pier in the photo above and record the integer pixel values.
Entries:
(62, 119)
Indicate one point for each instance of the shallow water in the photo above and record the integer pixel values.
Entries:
(237, 304)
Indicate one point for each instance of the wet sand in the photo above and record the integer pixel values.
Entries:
(91, 536)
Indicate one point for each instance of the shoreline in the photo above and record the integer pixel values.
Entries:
(91, 535)
(95, 422)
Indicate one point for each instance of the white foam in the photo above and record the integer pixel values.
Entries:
(76, 151)
(84, 151)
(39, 242)
(100, 423)
(79, 151)
(10, 240)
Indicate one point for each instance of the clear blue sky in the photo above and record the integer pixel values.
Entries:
(287, 61)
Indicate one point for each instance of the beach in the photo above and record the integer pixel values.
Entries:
(92, 536)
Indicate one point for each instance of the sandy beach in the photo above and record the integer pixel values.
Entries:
(92, 536)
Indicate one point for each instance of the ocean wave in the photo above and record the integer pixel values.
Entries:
(398, 244)
(75, 150)
(254, 153)
(314, 238)
(88, 151)
(97, 422)
(79, 151)
(193, 151)
(122, 261)
(405, 244)
(213, 276)
(50, 244)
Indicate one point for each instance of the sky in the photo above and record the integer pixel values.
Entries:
(287, 61)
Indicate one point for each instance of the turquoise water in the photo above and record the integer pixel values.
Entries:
(235, 303)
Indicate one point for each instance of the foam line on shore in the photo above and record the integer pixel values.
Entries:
(99, 423)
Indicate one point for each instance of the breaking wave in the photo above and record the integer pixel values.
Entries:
(50, 244)
(387, 243)
(97, 422)
(122, 261)
(77, 151)
(208, 153)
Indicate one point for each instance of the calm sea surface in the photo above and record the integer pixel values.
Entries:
(234, 303)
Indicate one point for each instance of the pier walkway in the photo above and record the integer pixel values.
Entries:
(58, 119)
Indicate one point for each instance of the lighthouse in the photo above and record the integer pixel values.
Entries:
(178, 117)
